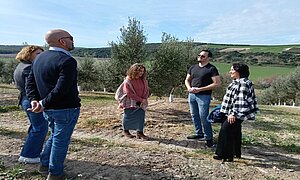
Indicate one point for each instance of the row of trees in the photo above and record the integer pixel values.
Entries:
(284, 90)
(259, 58)
(7, 71)
(166, 67)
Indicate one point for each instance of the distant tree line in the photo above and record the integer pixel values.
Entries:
(259, 58)
(92, 52)
(167, 63)
(10, 49)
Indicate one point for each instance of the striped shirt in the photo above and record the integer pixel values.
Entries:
(240, 100)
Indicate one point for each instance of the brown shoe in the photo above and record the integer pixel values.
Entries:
(43, 169)
(63, 176)
(127, 134)
(141, 135)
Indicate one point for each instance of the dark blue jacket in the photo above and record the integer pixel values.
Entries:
(20, 76)
(215, 116)
(53, 79)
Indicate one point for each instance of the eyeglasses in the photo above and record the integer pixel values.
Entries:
(201, 56)
(67, 37)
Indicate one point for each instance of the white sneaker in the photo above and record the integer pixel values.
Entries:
(28, 160)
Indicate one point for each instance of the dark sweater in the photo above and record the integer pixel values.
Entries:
(20, 75)
(53, 79)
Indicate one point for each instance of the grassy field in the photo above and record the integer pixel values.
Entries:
(257, 48)
(4, 59)
(257, 72)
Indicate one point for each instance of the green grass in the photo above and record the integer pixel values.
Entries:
(5, 59)
(257, 72)
(98, 98)
(11, 173)
(4, 109)
(275, 127)
(257, 48)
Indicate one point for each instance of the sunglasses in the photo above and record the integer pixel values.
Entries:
(201, 56)
(67, 37)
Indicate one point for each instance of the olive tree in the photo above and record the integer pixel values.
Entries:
(128, 50)
(169, 66)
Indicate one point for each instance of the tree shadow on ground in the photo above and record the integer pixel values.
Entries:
(266, 156)
(277, 112)
(170, 116)
(12, 133)
(274, 126)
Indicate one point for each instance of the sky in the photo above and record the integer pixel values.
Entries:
(95, 23)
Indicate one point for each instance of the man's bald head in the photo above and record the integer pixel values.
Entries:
(54, 36)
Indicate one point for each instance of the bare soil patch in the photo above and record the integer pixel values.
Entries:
(99, 151)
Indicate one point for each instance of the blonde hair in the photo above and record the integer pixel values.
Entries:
(26, 52)
(134, 70)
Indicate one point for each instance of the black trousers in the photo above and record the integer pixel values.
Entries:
(230, 140)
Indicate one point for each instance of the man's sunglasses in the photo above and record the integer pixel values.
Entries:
(201, 56)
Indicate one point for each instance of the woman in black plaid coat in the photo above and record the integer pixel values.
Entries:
(239, 104)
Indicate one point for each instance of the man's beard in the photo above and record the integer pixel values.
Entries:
(71, 48)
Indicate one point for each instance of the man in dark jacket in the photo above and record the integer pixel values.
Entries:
(52, 88)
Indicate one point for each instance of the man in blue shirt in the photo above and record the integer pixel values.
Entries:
(52, 89)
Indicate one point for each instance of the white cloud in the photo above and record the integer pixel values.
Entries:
(94, 23)
(260, 24)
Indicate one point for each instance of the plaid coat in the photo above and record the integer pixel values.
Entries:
(240, 100)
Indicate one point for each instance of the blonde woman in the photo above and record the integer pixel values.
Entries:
(137, 90)
(38, 128)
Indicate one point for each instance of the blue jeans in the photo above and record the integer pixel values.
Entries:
(37, 132)
(199, 107)
(62, 123)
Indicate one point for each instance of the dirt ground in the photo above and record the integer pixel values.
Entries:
(99, 151)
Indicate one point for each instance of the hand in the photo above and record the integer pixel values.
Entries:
(36, 107)
(231, 119)
(120, 106)
(144, 101)
(192, 90)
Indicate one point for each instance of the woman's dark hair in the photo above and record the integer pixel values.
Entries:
(242, 69)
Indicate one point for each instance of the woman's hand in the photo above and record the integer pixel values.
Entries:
(231, 119)
(120, 106)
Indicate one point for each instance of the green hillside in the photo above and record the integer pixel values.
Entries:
(265, 55)
(257, 72)
(257, 48)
